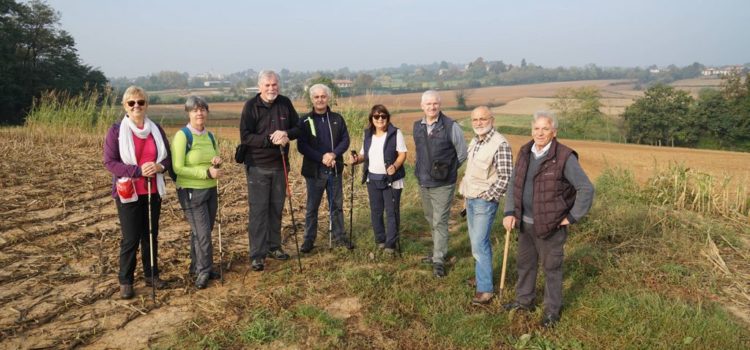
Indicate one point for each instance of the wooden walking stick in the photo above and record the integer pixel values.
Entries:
(505, 261)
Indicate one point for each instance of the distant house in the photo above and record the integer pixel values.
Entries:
(217, 83)
(726, 70)
(252, 90)
(343, 83)
(654, 70)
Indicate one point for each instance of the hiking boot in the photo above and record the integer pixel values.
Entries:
(307, 246)
(389, 252)
(438, 269)
(518, 306)
(158, 282)
(213, 275)
(550, 320)
(381, 246)
(126, 291)
(257, 265)
(343, 242)
(482, 298)
(278, 254)
(202, 281)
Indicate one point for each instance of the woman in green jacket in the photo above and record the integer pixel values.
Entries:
(196, 163)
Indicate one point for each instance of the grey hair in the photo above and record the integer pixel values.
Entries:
(430, 93)
(323, 87)
(265, 74)
(194, 102)
(545, 114)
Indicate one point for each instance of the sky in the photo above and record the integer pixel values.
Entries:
(139, 37)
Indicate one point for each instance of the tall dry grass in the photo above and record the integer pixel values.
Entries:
(684, 188)
(91, 111)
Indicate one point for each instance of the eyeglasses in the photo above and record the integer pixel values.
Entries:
(480, 120)
(132, 103)
(380, 116)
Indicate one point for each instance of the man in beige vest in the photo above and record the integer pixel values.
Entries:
(488, 171)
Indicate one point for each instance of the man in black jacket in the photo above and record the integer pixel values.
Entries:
(268, 122)
(323, 141)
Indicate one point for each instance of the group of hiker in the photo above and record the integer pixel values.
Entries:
(545, 192)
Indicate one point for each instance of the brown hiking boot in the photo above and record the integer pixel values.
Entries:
(126, 291)
(482, 298)
(158, 282)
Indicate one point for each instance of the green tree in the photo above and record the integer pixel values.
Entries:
(461, 96)
(579, 108)
(36, 56)
(660, 117)
(711, 114)
(362, 83)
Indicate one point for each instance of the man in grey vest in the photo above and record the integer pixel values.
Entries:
(441, 150)
(488, 170)
(548, 191)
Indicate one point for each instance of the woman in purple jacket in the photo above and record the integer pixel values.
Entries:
(136, 152)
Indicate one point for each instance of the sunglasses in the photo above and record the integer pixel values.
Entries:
(132, 103)
(380, 116)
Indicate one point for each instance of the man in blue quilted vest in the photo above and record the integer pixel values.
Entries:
(440, 149)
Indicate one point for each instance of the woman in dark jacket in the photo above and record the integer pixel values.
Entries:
(136, 152)
(384, 154)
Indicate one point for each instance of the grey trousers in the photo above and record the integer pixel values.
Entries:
(436, 204)
(200, 207)
(266, 192)
(550, 251)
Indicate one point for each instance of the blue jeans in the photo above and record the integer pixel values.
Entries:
(480, 215)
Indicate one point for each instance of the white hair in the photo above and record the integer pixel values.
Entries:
(430, 93)
(265, 74)
(323, 87)
(545, 114)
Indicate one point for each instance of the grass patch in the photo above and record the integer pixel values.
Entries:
(627, 320)
(263, 328)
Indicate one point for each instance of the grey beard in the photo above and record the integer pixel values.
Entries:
(482, 132)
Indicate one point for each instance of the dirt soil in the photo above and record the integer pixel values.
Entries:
(59, 242)
(59, 245)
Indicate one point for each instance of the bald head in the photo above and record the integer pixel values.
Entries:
(482, 121)
(481, 112)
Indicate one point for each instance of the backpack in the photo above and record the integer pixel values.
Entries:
(189, 137)
(189, 144)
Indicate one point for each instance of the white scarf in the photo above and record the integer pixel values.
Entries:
(127, 147)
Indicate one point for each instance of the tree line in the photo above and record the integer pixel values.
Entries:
(36, 55)
(716, 119)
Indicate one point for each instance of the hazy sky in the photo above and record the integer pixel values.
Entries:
(138, 37)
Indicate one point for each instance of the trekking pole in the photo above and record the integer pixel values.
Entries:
(351, 201)
(505, 261)
(291, 208)
(151, 242)
(221, 252)
(330, 211)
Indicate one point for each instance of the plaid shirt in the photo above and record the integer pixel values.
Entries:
(503, 160)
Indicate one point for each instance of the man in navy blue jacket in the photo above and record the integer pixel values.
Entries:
(323, 141)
